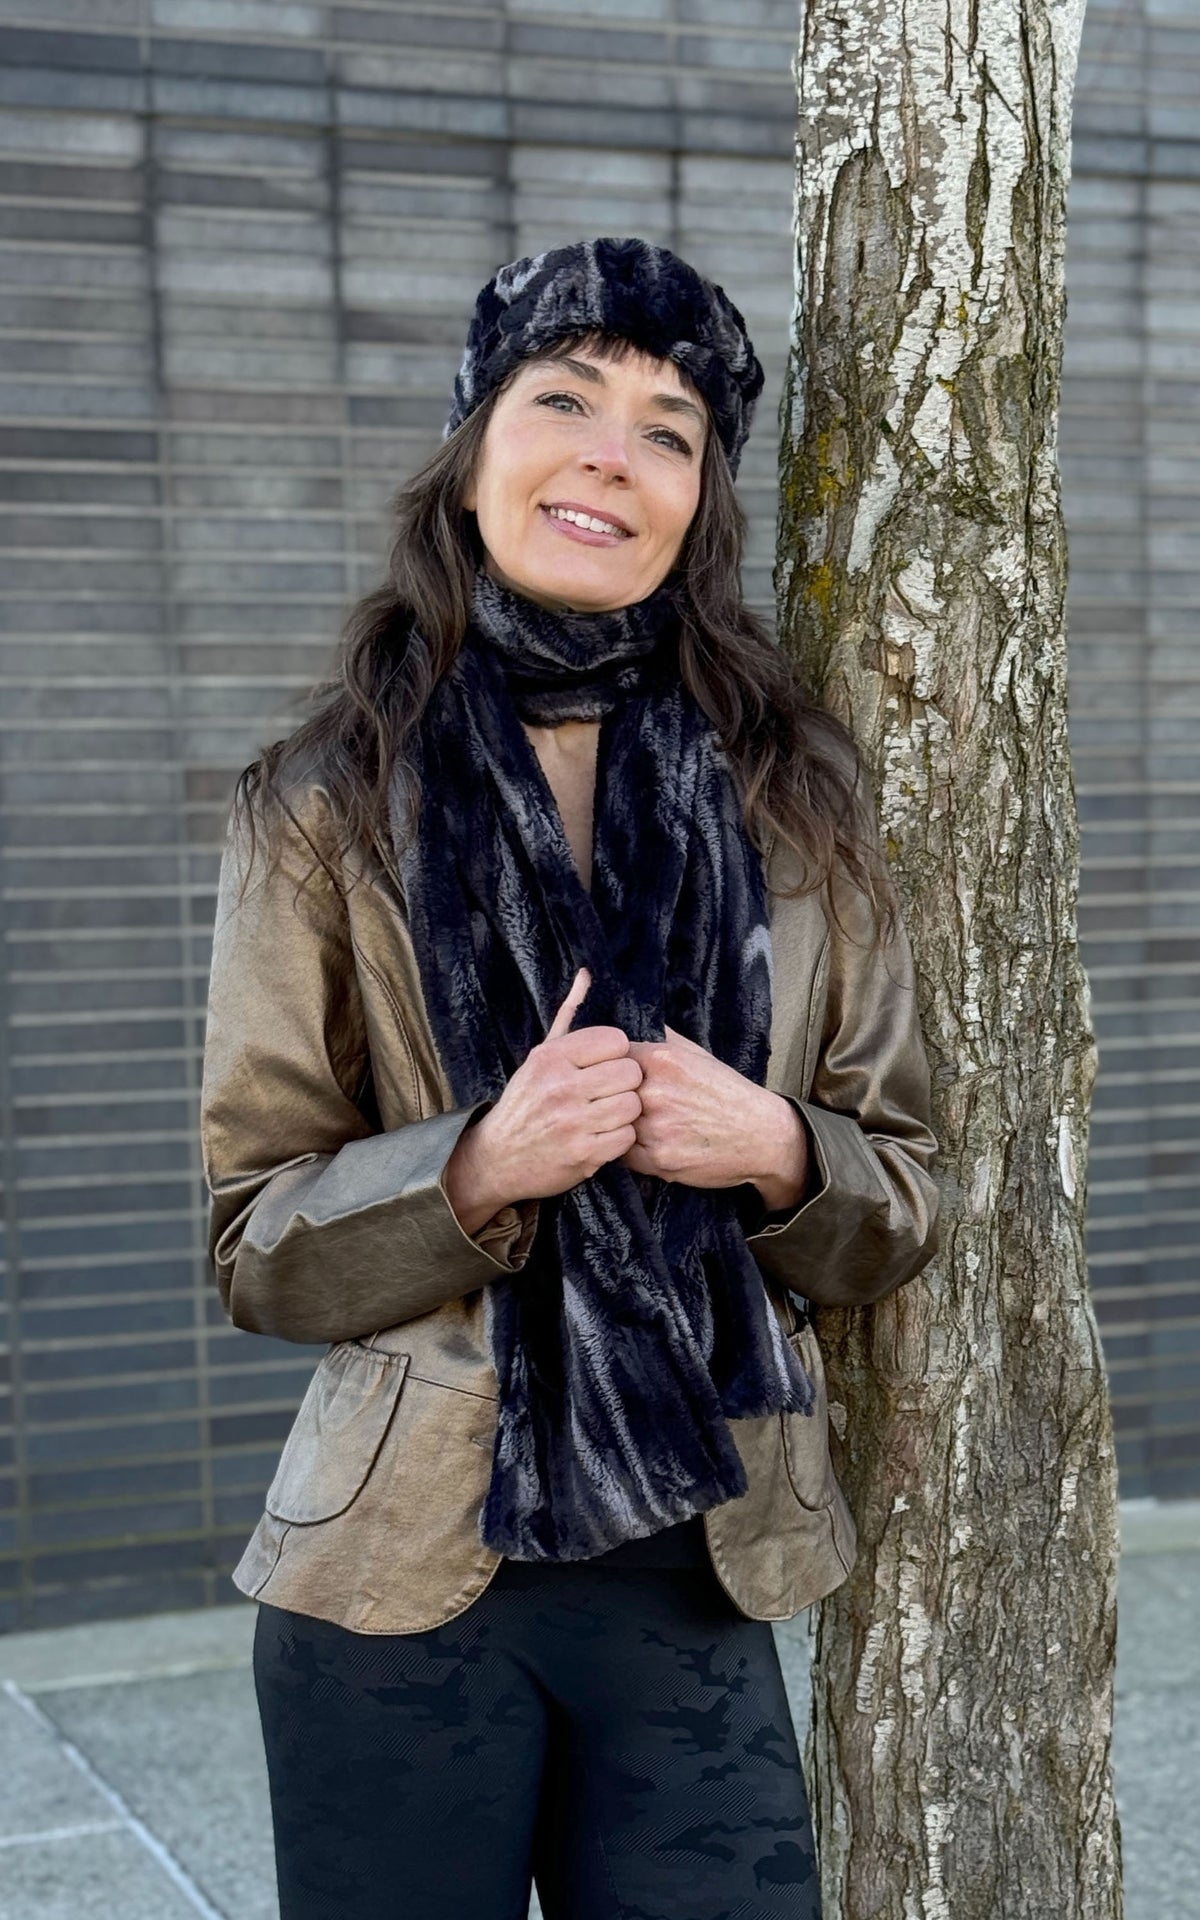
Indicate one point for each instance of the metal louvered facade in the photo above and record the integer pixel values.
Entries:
(239, 241)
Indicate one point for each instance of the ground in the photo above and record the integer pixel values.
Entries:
(134, 1779)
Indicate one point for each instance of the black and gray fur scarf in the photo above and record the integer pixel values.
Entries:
(639, 1324)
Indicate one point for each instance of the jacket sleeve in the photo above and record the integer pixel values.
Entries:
(321, 1227)
(869, 1218)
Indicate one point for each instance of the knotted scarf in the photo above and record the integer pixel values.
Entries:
(639, 1324)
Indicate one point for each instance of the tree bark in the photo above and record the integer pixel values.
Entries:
(959, 1756)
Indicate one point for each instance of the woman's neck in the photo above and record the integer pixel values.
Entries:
(567, 754)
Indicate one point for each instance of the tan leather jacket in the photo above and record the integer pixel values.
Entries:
(327, 1122)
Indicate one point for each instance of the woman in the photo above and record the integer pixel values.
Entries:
(527, 1093)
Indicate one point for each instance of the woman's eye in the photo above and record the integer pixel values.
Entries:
(676, 439)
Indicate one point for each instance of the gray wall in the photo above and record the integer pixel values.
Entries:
(1131, 464)
(239, 241)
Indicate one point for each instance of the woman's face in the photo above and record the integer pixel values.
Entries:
(620, 442)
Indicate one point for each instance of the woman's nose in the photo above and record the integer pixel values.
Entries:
(609, 452)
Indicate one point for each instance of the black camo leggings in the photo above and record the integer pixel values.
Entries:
(622, 1737)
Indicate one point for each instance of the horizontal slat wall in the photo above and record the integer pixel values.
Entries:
(239, 241)
(1131, 464)
(239, 244)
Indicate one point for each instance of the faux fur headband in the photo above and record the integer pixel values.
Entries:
(629, 287)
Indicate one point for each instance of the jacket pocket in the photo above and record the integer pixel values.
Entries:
(337, 1432)
(806, 1435)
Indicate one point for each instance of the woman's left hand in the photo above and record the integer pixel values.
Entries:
(707, 1125)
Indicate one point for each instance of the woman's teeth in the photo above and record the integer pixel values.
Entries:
(585, 520)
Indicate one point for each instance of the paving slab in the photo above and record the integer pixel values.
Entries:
(1156, 1758)
(50, 1794)
(74, 1840)
(1160, 1526)
(1156, 1733)
(185, 1754)
(114, 1650)
(93, 1877)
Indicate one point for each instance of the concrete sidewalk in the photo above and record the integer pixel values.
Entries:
(135, 1782)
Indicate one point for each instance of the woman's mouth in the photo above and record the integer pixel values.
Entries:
(596, 532)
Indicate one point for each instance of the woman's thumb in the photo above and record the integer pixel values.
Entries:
(576, 992)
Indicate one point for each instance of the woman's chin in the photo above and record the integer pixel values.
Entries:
(583, 589)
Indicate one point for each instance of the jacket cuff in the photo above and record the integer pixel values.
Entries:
(755, 1215)
(377, 1215)
(819, 1249)
(507, 1237)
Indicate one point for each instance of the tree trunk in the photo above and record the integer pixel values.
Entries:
(959, 1756)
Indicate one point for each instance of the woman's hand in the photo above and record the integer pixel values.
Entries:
(568, 1108)
(704, 1123)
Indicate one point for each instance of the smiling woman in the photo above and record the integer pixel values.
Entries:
(541, 1107)
(583, 493)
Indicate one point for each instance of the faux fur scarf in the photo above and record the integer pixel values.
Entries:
(639, 1324)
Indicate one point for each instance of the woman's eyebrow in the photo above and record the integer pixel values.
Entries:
(587, 370)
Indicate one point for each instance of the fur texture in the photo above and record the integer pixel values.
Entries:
(639, 1325)
(630, 287)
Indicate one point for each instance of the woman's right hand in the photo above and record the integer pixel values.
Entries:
(569, 1107)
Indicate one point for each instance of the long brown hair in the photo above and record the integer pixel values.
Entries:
(797, 764)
